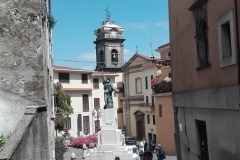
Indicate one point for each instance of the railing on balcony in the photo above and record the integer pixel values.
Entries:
(148, 105)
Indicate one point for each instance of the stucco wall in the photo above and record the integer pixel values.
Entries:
(222, 133)
(21, 41)
(184, 50)
(165, 124)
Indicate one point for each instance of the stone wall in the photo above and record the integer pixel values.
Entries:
(21, 39)
(29, 140)
(25, 64)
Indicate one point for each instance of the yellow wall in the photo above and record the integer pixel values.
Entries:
(165, 124)
(184, 48)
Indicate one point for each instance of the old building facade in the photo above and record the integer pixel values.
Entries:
(204, 38)
(138, 110)
(85, 88)
(164, 114)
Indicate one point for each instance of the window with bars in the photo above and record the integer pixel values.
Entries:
(67, 123)
(84, 78)
(96, 102)
(95, 83)
(85, 101)
(86, 125)
(63, 77)
(199, 9)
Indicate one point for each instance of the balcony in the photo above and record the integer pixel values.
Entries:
(161, 86)
(148, 105)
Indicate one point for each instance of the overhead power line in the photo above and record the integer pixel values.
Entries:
(68, 60)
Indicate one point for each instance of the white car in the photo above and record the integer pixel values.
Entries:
(133, 149)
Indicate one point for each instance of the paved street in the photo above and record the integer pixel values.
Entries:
(78, 152)
(79, 155)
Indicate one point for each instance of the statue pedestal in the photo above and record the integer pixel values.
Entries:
(109, 140)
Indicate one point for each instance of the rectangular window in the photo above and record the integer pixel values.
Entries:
(148, 119)
(202, 139)
(79, 122)
(95, 83)
(67, 123)
(84, 78)
(152, 101)
(227, 47)
(63, 77)
(85, 102)
(169, 75)
(153, 117)
(147, 101)
(86, 125)
(96, 102)
(146, 82)
(226, 40)
(160, 110)
(151, 80)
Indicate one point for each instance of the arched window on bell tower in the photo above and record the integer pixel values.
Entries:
(114, 56)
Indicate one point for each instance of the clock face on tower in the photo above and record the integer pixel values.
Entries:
(113, 33)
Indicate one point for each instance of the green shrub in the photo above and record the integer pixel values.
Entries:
(51, 21)
(3, 140)
(60, 148)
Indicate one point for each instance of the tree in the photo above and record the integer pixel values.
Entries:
(62, 105)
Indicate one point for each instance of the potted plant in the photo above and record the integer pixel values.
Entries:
(66, 134)
(161, 85)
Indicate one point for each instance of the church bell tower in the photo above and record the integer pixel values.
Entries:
(109, 46)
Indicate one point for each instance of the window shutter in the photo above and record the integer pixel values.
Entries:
(95, 83)
(96, 102)
(79, 122)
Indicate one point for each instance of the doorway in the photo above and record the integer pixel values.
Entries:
(202, 139)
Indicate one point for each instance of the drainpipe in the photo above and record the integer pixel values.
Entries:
(237, 39)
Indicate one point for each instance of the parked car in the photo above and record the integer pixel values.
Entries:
(134, 150)
(129, 140)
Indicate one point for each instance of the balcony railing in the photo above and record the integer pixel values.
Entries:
(146, 104)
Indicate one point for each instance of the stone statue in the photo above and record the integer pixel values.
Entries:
(108, 89)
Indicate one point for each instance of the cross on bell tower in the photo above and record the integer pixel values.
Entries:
(109, 46)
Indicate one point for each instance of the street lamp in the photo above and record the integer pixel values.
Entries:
(97, 113)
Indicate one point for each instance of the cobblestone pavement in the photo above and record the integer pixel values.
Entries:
(79, 154)
(167, 157)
